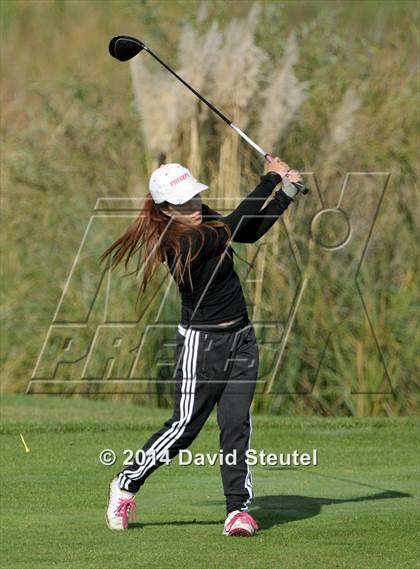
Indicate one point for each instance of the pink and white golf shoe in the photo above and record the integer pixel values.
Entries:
(240, 524)
(120, 504)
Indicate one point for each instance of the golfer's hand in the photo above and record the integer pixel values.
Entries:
(278, 166)
(294, 176)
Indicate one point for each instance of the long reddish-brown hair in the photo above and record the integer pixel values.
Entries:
(157, 233)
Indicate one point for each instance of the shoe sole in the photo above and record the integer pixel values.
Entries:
(240, 533)
(106, 513)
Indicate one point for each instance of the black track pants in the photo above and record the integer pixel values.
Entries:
(211, 367)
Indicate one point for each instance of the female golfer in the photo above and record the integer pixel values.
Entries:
(216, 353)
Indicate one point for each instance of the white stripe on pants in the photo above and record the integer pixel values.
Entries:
(162, 444)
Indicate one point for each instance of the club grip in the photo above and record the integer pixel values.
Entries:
(299, 185)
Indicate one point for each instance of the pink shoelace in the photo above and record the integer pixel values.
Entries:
(126, 505)
(244, 517)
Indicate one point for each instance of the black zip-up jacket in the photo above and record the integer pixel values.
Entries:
(217, 294)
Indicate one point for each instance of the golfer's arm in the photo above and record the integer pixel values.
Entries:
(252, 204)
(254, 228)
(215, 238)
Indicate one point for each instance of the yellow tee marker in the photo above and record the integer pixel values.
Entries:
(27, 449)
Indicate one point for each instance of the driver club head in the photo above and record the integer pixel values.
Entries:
(124, 48)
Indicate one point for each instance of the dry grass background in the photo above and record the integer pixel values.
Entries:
(331, 87)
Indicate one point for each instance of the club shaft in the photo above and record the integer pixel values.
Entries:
(212, 107)
(258, 148)
(248, 140)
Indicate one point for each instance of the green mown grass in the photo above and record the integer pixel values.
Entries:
(357, 509)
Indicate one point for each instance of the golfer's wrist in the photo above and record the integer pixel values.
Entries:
(273, 176)
(283, 198)
(288, 188)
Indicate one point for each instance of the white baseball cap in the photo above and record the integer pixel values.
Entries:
(174, 183)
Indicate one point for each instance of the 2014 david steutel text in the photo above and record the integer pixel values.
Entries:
(252, 457)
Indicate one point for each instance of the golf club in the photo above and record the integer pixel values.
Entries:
(124, 48)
